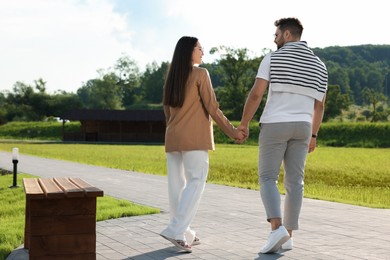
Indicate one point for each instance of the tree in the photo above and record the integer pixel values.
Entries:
(237, 72)
(339, 76)
(375, 80)
(372, 97)
(40, 85)
(101, 93)
(152, 82)
(358, 80)
(3, 111)
(128, 81)
(62, 102)
(24, 104)
(335, 102)
(115, 88)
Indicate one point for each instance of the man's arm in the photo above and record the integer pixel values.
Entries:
(252, 103)
(318, 114)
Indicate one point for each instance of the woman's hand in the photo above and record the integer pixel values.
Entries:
(242, 134)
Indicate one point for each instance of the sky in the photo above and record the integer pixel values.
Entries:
(66, 42)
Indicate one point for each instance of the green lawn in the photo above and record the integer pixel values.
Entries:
(358, 176)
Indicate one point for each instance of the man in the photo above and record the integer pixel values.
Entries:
(296, 80)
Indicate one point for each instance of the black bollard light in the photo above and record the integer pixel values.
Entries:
(15, 160)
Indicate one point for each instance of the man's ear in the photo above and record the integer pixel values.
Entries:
(287, 35)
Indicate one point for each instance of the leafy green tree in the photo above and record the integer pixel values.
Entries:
(101, 93)
(3, 110)
(335, 102)
(215, 77)
(339, 76)
(152, 82)
(127, 72)
(374, 98)
(374, 80)
(358, 80)
(40, 85)
(237, 73)
(24, 104)
(62, 102)
(386, 85)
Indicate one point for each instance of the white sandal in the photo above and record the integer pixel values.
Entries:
(179, 244)
(196, 241)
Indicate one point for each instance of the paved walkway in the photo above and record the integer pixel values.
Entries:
(230, 221)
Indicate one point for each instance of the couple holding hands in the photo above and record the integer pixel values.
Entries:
(296, 80)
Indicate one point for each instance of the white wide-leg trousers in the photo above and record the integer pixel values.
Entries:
(187, 174)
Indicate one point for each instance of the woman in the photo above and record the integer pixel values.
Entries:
(189, 106)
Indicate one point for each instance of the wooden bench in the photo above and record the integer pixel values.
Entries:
(60, 218)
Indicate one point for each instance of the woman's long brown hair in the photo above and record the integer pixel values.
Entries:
(179, 71)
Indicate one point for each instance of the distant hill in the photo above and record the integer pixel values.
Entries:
(354, 68)
(350, 55)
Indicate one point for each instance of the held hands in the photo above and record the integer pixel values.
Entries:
(241, 134)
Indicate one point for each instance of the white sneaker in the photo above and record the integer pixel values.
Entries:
(275, 240)
(288, 245)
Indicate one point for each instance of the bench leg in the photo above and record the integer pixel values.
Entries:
(27, 226)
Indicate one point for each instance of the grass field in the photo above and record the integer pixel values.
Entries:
(357, 176)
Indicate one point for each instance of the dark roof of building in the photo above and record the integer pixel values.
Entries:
(114, 115)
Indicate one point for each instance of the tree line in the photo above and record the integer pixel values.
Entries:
(358, 75)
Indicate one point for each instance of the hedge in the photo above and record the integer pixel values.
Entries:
(367, 135)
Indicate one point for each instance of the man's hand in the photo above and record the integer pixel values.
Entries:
(243, 134)
(312, 144)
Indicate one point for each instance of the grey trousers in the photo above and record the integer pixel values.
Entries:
(288, 143)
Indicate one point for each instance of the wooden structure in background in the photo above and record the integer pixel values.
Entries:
(144, 126)
(60, 218)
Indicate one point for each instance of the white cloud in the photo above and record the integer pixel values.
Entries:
(64, 42)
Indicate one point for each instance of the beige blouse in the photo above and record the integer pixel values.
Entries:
(190, 127)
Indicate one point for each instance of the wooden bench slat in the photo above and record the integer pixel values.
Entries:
(90, 191)
(51, 189)
(70, 189)
(33, 189)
